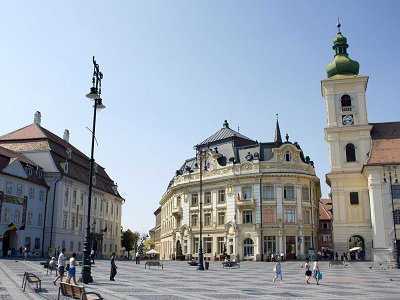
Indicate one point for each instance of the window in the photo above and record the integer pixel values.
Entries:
(31, 193)
(95, 204)
(65, 216)
(66, 196)
(325, 226)
(207, 219)
(7, 214)
(73, 222)
(346, 103)
(396, 191)
(110, 247)
(396, 216)
(221, 243)
(354, 198)
(305, 195)
(350, 153)
(269, 244)
(80, 223)
(269, 215)
(194, 220)
(288, 192)
(79, 246)
(112, 208)
(247, 217)
(208, 245)
(288, 156)
(207, 197)
(41, 195)
(28, 241)
(39, 173)
(28, 170)
(306, 217)
(221, 196)
(117, 209)
(30, 217)
(178, 202)
(290, 216)
(40, 219)
(71, 246)
(19, 189)
(307, 242)
(246, 192)
(326, 238)
(37, 243)
(9, 187)
(221, 218)
(101, 206)
(106, 207)
(196, 245)
(82, 197)
(194, 199)
(268, 192)
(248, 247)
(17, 216)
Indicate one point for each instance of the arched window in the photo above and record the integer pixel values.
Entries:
(396, 216)
(288, 155)
(346, 102)
(350, 152)
(248, 247)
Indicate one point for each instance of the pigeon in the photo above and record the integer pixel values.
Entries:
(370, 267)
(391, 279)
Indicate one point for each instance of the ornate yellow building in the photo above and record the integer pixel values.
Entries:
(256, 197)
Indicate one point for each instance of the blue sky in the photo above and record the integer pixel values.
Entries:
(175, 70)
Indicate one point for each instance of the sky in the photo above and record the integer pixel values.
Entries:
(175, 70)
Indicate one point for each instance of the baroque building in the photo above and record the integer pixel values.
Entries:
(256, 198)
(23, 197)
(66, 172)
(363, 156)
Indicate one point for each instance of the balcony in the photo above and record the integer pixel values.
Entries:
(177, 211)
(246, 203)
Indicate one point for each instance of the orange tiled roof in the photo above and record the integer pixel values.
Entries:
(325, 209)
(385, 144)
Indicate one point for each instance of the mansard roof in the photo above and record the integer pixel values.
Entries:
(34, 138)
(385, 144)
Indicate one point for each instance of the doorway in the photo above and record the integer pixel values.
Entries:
(290, 247)
(9, 242)
(357, 247)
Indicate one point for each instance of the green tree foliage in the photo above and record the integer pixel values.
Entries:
(149, 244)
(129, 240)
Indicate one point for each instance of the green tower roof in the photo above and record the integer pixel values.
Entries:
(341, 64)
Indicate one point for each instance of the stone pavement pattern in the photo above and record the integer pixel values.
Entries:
(179, 281)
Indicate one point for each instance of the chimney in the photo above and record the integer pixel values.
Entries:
(38, 118)
(66, 135)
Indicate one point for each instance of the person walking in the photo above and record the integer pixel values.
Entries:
(282, 255)
(61, 266)
(316, 271)
(92, 255)
(137, 257)
(72, 269)
(113, 267)
(278, 271)
(307, 266)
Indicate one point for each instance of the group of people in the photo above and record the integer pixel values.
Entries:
(276, 256)
(315, 273)
(62, 267)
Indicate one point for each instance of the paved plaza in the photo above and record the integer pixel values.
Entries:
(178, 280)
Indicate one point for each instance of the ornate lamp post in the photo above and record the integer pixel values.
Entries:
(391, 169)
(199, 154)
(95, 94)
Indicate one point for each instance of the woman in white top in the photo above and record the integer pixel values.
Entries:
(316, 271)
(72, 268)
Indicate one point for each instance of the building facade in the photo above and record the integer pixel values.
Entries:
(361, 156)
(23, 197)
(256, 198)
(325, 226)
(66, 172)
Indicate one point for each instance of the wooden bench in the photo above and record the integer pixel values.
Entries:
(31, 278)
(77, 292)
(233, 264)
(153, 263)
(337, 263)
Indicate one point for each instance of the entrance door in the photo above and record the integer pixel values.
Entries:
(290, 247)
(6, 242)
(356, 248)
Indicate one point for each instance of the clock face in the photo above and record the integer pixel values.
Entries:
(348, 120)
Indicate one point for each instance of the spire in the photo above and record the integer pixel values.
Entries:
(341, 64)
(278, 137)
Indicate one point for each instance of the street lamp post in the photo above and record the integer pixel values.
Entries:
(95, 94)
(391, 169)
(201, 259)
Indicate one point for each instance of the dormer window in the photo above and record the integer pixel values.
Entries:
(64, 166)
(346, 103)
(28, 170)
(39, 173)
(288, 156)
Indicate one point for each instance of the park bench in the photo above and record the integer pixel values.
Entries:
(153, 263)
(232, 263)
(31, 278)
(77, 292)
(337, 263)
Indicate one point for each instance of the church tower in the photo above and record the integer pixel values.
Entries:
(349, 141)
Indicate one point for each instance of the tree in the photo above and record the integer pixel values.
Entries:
(129, 240)
(149, 244)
